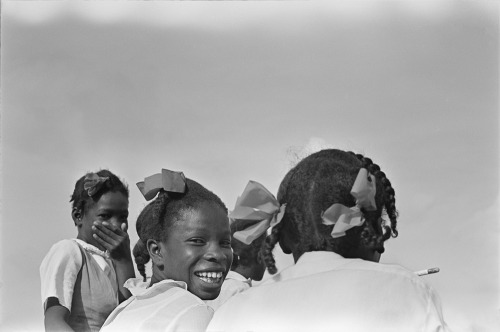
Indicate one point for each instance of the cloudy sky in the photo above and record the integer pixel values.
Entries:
(229, 91)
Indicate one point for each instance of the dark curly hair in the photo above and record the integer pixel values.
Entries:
(158, 216)
(82, 201)
(244, 254)
(312, 186)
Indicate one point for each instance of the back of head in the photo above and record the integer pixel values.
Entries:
(246, 255)
(311, 187)
(82, 199)
(158, 216)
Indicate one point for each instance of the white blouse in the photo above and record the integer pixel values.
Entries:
(59, 269)
(233, 284)
(166, 306)
(325, 292)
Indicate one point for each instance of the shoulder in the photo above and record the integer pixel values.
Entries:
(233, 286)
(66, 245)
(396, 271)
(63, 252)
(169, 292)
(399, 278)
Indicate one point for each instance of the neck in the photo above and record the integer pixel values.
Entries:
(157, 276)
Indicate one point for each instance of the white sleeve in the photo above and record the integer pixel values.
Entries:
(194, 319)
(58, 272)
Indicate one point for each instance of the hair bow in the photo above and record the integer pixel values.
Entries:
(167, 180)
(93, 183)
(256, 203)
(344, 218)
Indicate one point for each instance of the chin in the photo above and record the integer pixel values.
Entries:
(207, 296)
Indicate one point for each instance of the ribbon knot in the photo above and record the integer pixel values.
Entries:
(345, 218)
(257, 204)
(93, 183)
(167, 180)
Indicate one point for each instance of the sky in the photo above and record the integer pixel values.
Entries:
(231, 91)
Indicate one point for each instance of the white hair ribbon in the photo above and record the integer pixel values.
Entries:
(256, 203)
(343, 217)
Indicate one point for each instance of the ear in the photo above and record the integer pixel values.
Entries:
(154, 251)
(77, 216)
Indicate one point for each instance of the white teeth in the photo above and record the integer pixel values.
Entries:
(210, 277)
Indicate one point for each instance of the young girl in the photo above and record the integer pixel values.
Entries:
(248, 230)
(185, 231)
(333, 227)
(82, 279)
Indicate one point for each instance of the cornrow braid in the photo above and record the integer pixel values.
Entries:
(267, 249)
(160, 206)
(141, 257)
(390, 199)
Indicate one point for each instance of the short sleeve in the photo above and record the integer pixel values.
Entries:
(58, 272)
(194, 319)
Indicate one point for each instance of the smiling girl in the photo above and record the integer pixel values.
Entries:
(185, 232)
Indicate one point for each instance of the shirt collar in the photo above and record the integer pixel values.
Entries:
(92, 249)
(237, 276)
(141, 290)
(309, 263)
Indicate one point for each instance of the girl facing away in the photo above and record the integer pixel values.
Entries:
(334, 203)
(185, 232)
(82, 279)
(247, 265)
(248, 232)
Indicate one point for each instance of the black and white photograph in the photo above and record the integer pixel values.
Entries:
(250, 166)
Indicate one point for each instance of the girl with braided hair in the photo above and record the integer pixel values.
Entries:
(335, 204)
(247, 264)
(185, 232)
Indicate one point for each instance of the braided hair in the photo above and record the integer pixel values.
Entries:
(312, 186)
(82, 201)
(157, 217)
(243, 254)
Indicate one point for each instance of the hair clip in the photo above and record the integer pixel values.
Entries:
(256, 203)
(167, 180)
(92, 183)
(343, 217)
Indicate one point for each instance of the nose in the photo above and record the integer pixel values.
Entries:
(116, 221)
(215, 253)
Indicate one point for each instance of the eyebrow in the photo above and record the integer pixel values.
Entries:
(106, 209)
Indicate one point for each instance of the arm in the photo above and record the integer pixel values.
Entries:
(116, 240)
(58, 273)
(56, 316)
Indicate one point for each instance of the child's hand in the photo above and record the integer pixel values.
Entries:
(113, 239)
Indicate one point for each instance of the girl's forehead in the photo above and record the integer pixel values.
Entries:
(112, 200)
(205, 219)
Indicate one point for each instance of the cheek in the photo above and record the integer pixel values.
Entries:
(229, 257)
(182, 257)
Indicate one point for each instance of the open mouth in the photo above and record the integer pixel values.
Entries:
(210, 277)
